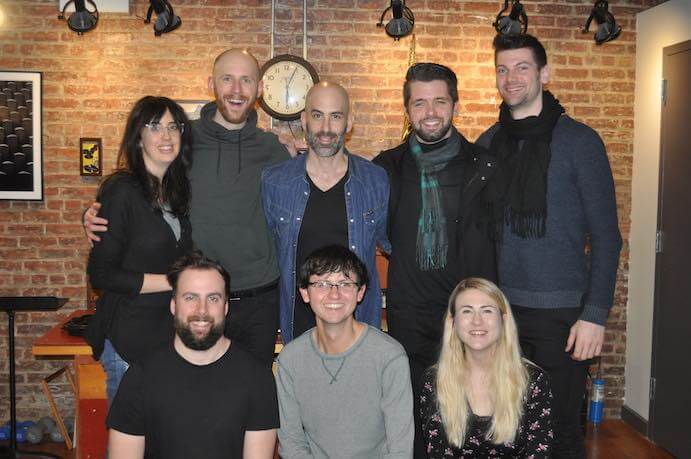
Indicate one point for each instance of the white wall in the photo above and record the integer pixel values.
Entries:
(664, 25)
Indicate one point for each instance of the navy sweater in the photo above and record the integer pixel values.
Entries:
(555, 271)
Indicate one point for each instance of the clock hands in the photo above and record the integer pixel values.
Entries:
(290, 80)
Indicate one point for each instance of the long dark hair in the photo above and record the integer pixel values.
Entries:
(174, 189)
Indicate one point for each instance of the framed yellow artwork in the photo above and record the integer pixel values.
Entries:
(90, 157)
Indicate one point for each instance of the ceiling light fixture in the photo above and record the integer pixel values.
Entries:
(166, 20)
(402, 22)
(607, 27)
(82, 20)
(516, 22)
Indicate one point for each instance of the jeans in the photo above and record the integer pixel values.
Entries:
(115, 368)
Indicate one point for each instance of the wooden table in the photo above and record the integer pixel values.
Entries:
(91, 403)
(57, 342)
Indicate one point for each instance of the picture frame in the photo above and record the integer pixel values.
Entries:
(192, 108)
(90, 157)
(21, 146)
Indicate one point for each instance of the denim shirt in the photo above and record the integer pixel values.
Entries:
(285, 191)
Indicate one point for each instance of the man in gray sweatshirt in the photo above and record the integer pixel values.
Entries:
(229, 154)
(344, 386)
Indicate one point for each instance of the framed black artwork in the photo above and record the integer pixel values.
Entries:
(21, 148)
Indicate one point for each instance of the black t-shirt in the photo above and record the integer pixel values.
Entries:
(323, 223)
(414, 287)
(186, 410)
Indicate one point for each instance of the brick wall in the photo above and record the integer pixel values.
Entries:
(90, 82)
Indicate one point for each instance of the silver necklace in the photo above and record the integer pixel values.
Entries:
(334, 376)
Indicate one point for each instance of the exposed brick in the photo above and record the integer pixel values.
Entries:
(88, 91)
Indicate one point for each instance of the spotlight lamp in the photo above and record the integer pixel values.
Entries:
(82, 20)
(607, 27)
(516, 22)
(402, 22)
(166, 20)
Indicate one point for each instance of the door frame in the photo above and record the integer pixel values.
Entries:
(657, 306)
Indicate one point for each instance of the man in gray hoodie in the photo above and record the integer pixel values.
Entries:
(229, 154)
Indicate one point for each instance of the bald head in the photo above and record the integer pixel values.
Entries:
(235, 56)
(236, 86)
(331, 91)
(326, 119)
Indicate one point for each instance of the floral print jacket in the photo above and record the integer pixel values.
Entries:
(533, 440)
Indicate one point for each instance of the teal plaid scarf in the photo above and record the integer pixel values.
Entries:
(432, 240)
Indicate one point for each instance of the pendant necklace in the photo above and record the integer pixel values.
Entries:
(334, 376)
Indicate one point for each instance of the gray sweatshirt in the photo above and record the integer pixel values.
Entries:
(228, 222)
(353, 405)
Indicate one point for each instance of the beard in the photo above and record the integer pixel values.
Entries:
(194, 341)
(234, 117)
(325, 151)
(432, 136)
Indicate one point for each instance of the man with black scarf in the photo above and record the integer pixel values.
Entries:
(436, 179)
(551, 197)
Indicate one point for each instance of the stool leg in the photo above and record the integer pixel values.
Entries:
(53, 405)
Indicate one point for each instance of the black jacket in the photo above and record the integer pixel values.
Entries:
(138, 241)
(477, 250)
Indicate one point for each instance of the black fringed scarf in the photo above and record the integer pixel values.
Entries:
(517, 193)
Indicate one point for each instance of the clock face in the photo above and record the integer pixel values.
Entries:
(286, 81)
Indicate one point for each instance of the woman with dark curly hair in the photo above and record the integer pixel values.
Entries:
(146, 203)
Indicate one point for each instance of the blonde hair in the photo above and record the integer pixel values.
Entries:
(508, 379)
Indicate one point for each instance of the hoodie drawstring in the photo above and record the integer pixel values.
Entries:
(239, 152)
(218, 159)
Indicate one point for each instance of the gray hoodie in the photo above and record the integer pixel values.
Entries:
(228, 222)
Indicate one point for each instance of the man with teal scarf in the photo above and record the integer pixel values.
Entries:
(436, 178)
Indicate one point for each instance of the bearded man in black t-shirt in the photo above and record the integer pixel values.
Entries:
(203, 396)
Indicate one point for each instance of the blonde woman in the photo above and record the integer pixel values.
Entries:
(481, 399)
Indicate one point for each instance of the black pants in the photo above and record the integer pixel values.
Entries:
(543, 334)
(253, 322)
(420, 332)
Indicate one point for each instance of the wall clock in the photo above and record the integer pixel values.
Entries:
(286, 79)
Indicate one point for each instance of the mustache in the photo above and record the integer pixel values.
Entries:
(332, 135)
(200, 318)
(432, 118)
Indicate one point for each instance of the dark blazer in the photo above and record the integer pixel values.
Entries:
(477, 251)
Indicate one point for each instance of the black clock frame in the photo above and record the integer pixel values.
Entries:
(283, 58)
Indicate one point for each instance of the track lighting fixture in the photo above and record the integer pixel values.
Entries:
(82, 20)
(166, 20)
(607, 27)
(516, 22)
(402, 22)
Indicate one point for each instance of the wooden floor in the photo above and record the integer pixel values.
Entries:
(612, 440)
(617, 440)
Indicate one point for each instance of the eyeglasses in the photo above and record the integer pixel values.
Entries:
(172, 128)
(343, 286)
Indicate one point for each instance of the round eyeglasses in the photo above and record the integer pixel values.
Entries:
(172, 128)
